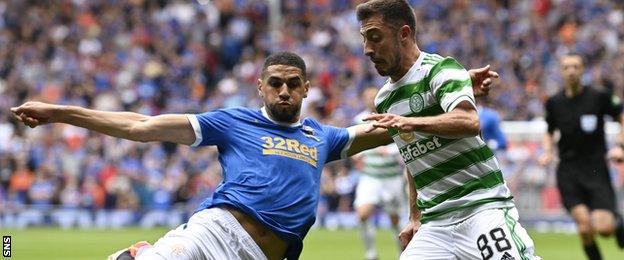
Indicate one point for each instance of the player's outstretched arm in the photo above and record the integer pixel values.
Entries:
(127, 125)
(367, 137)
(463, 121)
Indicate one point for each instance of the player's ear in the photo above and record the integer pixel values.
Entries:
(405, 33)
(259, 87)
(306, 87)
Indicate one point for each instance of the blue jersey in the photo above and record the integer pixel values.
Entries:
(271, 171)
(490, 129)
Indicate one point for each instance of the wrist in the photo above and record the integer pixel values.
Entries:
(414, 123)
(59, 113)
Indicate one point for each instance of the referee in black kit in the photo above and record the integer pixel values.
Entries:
(582, 175)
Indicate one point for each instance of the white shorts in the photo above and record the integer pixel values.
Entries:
(389, 193)
(209, 234)
(490, 234)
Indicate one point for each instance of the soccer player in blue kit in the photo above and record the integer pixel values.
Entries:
(491, 131)
(271, 163)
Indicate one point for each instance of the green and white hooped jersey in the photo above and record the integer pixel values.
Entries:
(381, 162)
(454, 178)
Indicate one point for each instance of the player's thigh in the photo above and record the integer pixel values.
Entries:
(176, 244)
(582, 216)
(493, 234)
(430, 243)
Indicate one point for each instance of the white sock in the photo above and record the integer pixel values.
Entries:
(368, 236)
(396, 233)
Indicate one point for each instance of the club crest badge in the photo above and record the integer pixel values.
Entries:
(416, 102)
(309, 133)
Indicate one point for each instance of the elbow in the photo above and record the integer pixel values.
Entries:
(467, 120)
(474, 127)
(471, 127)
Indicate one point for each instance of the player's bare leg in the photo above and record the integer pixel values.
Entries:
(607, 223)
(603, 222)
(581, 215)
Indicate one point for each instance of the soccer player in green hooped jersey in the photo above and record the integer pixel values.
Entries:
(460, 206)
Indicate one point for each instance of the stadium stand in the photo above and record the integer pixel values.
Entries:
(182, 56)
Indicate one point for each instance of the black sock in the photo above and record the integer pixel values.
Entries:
(619, 230)
(592, 252)
(619, 222)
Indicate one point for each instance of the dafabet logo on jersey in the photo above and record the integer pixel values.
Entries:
(414, 150)
(289, 148)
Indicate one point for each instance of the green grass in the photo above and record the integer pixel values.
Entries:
(48, 243)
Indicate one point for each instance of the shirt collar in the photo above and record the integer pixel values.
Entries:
(416, 66)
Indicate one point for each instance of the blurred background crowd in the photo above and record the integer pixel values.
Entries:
(156, 57)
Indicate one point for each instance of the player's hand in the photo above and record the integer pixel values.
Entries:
(545, 159)
(407, 233)
(482, 80)
(34, 114)
(386, 121)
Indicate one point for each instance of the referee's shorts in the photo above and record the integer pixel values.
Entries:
(585, 182)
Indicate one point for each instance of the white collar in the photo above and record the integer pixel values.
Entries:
(416, 66)
(266, 115)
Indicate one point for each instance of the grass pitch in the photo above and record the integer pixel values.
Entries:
(52, 243)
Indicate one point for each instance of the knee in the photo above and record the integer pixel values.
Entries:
(604, 228)
(603, 222)
(363, 215)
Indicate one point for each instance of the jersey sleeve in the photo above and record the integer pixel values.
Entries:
(550, 120)
(450, 84)
(339, 141)
(210, 128)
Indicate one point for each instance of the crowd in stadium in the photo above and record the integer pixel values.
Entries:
(157, 57)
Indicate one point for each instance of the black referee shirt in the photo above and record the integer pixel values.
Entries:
(580, 121)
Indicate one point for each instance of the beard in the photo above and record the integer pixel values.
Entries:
(286, 114)
(394, 64)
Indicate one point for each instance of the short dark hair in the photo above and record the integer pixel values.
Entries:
(395, 12)
(284, 58)
(572, 54)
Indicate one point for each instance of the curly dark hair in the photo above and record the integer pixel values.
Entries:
(285, 58)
